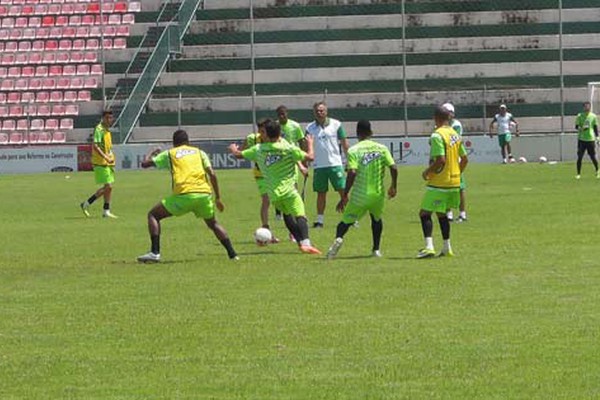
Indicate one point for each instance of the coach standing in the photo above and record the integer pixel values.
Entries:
(329, 135)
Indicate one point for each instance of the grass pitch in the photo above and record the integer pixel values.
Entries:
(514, 316)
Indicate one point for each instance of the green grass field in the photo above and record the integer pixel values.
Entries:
(514, 316)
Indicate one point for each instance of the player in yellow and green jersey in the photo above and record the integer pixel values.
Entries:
(586, 124)
(277, 160)
(194, 183)
(367, 162)
(252, 140)
(448, 160)
(103, 161)
(458, 128)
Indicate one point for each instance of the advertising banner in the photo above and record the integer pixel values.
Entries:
(38, 159)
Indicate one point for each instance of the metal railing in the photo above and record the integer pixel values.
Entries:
(169, 43)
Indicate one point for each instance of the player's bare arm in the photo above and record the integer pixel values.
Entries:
(345, 145)
(392, 191)
(235, 150)
(148, 162)
(350, 178)
(437, 164)
(310, 153)
(215, 185)
(464, 160)
(491, 129)
(107, 157)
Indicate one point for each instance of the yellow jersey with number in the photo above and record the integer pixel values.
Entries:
(188, 167)
(446, 142)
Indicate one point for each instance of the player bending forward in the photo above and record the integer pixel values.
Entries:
(448, 161)
(277, 160)
(367, 161)
(189, 168)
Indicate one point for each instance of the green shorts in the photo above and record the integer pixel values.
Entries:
(440, 200)
(291, 205)
(262, 186)
(504, 139)
(201, 204)
(104, 174)
(356, 210)
(322, 177)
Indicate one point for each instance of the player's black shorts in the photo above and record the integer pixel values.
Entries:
(583, 146)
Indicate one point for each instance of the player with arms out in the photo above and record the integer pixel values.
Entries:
(277, 160)
(504, 119)
(367, 161)
(458, 128)
(448, 161)
(293, 133)
(251, 140)
(190, 168)
(103, 161)
(586, 124)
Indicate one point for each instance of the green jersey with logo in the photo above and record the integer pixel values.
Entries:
(369, 159)
(292, 132)
(585, 125)
(277, 162)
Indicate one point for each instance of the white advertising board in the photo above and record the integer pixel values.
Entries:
(38, 159)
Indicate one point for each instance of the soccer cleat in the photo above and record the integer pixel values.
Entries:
(108, 214)
(149, 258)
(335, 247)
(377, 254)
(505, 161)
(310, 250)
(235, 258)
(426, 253)
(318, 225)
(292, 238)
(462, 219)
(446, 253)
(597, 174)
(577, 177)
(84, 209)
(274, 240)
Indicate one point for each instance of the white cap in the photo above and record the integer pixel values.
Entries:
(448, 107)
(503, 106)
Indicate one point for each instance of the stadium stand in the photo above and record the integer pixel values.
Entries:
(49, 62)
(475, 53)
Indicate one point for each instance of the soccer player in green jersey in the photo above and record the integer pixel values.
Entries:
(194, 184)
(367, 161)
(448, 160)
(251, 140)
(293, 133)
(277, 161)
(458, 128)
(586, 124)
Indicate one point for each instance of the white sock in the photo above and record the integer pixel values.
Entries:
(447, 246)
(86, 204)
(305, 242)
(463, 214)
(429, 243)
(450, 215)
(320, 218)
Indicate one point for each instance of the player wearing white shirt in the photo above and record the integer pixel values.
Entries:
(503, 120)
(328, 135)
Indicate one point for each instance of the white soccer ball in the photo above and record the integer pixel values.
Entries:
(543, 159)
(263, 236)
(522, 160)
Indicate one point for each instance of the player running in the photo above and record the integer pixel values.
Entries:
(277, 160)
(586, 124)
(103, 161)
(251, 140)
(503, 119)
(190, 168)
(448, 160)
(367, 161)
(293, 133)
(458, 128)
